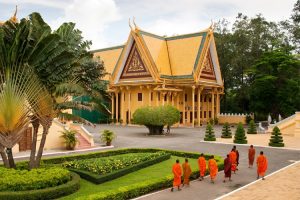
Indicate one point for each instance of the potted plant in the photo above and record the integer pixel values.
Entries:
(107, 136)
(70, 139)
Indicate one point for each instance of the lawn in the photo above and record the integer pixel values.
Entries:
(153, 172)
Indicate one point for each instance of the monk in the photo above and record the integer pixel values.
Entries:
(227, 168)
(237, 156)
(213, 168)
(176, 169)
(202, 166)
(186, 172)
(232, 156)
(251, 156)
(262, 165)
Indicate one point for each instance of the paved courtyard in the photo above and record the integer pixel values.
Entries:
(189, 139)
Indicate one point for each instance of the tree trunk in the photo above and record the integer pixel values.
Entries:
(155, 130)
(10, 157)
(35, 123)
(4, 158)
(46, 128)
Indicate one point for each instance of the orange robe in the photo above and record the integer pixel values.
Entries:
(202, 166)
(251, 155)
(186, 172)
(232, 156)
(262, 165)
(213, 168)
(176, 169)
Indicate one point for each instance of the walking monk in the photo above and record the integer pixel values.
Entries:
(227, 168)
(262, 165)
(232, 156)
(186, 172)
(251, 156)
(176, 169)
(213, 168)
(202, 166)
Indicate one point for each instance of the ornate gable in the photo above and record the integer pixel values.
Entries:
(208, 68)
(134, 66)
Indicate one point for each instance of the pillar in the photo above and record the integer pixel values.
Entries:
(193, 106)
(156, 96)
(199, 104)
(207, 108)
(173, 98)
(168, 95)
(112, 107)
(218, 104)
(213, 104)
(183, 116)
(149, 95)
(163, 98)
(122, 110)
(129, 106)
(117, 106)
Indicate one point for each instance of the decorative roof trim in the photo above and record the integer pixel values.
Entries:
(107, 49)
(185, 36)
(177, 77)
(204, 34)
(152, 35)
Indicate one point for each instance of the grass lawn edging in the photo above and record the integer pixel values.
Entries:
(98, 179)
(44, 194)
(145, 187)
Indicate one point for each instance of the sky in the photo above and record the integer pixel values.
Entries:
(105, 22)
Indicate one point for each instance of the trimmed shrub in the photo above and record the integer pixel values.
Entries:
(22, 180)
(155, 118)
(248, 119)
(240, 137)
(252, 128)
(44, 194)
(209, 133)
(226, 131)
(276, 138)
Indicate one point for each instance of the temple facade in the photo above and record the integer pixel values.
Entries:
(151, 70)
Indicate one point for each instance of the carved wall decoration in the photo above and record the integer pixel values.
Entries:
(134, 66)
(208, 68)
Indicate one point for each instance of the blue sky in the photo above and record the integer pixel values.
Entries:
(105, 22)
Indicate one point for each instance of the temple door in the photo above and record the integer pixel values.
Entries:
(25, 142)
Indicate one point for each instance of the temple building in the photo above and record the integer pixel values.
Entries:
(151, 70)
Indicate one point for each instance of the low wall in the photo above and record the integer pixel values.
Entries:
(231, 118)
(289, 126)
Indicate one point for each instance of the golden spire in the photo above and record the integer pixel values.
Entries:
(136, 27)
(14, 17)
(129, 23)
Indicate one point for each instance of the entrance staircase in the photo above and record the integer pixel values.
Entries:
(85, 139)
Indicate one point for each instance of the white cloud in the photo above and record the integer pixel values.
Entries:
(47, 3)
(91, 17)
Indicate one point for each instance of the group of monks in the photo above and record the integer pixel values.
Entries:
(231, 163)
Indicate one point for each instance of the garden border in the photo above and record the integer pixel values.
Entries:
(46, 193)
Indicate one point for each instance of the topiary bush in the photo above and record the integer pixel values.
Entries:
(226, 131)
(155, 118)
(252, 128)
(276, 138)
(240, 137)
(209, 133)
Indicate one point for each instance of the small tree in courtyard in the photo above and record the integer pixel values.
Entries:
(252, 128)
(209, 133)
(155, 118)
(276, 138)
(226, 131)
(240, 137)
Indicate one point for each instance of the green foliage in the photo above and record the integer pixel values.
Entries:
(276, 138)
(226, 131)
(98, 179)
(252, 128)
(240, 137)
(209, 133)
(45, 194)
(107, 136)
(22, 180)
(248, 119)
(105, 165)
(70, 138)
(155, 118)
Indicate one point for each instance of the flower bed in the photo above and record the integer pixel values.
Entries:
(22, 180)
(105, 165)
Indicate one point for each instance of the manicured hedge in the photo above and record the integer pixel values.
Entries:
(23, 180)
(44, 194)
(132, 191)
(97, 179)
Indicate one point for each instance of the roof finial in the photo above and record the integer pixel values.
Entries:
(212, 26)
(136, 27)
(129, 23)
(14, 17)
(16, 11)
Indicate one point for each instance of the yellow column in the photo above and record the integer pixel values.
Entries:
(218, 104)
(177, 100)
(156, 96)
(141, 87)
(122, 111)
(199, 104)
(183, 98)
(193, 106)
(173, 100)
(129, 105)
(149, 95)
(213, 104)
(112, 106)
(202, 110)
(207, 109)
(117, 106)
(167, 95)
(163, 98)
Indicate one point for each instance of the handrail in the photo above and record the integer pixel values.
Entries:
(282, 121)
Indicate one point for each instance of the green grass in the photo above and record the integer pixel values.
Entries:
(153, 172)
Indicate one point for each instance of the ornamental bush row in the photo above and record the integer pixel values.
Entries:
(22, 180)
(97, 179)
(44, 194)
